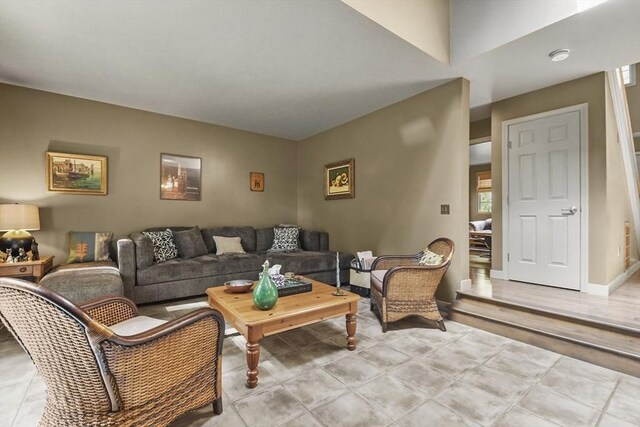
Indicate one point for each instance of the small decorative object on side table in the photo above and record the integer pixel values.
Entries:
(36, 269)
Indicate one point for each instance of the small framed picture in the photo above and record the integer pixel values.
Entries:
(339, 180)
(256, 181)
(76, 174)
(180, 177)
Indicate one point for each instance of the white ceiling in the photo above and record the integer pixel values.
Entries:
(278, 67)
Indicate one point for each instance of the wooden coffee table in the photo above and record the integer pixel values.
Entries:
(290, 312)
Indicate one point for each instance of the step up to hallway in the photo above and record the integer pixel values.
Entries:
(600, 342)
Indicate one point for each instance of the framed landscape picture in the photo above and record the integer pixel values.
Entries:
(256, 181)
(76, 173)
(339, 180)
(180, 177)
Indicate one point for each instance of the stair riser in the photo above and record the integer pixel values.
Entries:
(527, 318)
(589, 354)
(600, 326)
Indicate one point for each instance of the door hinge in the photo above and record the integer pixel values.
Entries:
(509, 144)
(507, 200)
(508, 257)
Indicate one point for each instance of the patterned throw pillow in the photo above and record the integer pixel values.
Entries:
(164, 248)
(430, 258)
(285, 239)
(85, 246)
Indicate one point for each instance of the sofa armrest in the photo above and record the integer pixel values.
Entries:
(324, 241)
(127, 265)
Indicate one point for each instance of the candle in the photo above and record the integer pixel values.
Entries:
(338, 270)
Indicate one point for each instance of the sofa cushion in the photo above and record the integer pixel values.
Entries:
(285, 239)
(144, 250)
(377, 277)
(228, 245)
(302, 262)
(209, 265)
(190, 243)
(309, 240)
(247, 237)
(264, 239)
(89, 246)
(136, 325)
(164, 248)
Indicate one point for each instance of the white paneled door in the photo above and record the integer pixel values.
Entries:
(544, 201)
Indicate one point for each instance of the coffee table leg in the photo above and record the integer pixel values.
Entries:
(351, 332)
(253, 355)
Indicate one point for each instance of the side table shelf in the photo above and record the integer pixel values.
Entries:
(26, 269)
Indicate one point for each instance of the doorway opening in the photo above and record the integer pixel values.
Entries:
(480, 209)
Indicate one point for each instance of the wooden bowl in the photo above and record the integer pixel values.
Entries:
(239, 286)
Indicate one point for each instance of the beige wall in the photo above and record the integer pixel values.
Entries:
(32, 122)
(423, 23)
(480, 129)
(591, 90)
(474, 215)
(410, 158)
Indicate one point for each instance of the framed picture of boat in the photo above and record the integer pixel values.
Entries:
(339, 180)
(76, 173)
(180, 177)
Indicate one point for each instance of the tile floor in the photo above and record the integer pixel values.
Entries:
(414, 375)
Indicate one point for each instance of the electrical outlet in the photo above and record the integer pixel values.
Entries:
(445, 209)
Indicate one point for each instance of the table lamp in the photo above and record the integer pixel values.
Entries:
(16, 219)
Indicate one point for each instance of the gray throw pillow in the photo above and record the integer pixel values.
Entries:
(285, 239)
(164, 248)
(190, 243)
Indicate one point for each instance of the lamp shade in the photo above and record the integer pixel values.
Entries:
(19, 217)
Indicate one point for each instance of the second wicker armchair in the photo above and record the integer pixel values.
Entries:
(400, 287)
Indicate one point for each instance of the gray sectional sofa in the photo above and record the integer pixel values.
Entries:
(146, 281)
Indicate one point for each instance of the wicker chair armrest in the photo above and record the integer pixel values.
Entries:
(183, 351)
(413, 279)
(386, 262)
(110, 310)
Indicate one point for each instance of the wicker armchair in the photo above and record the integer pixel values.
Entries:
(400, 287)
(95, 377)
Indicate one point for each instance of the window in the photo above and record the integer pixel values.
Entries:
(629, 74)
(484, 192)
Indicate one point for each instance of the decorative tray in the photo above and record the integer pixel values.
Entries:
(293, 287)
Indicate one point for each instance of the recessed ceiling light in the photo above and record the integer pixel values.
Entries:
(559, 55)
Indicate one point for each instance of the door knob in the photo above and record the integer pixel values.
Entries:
(569, 211)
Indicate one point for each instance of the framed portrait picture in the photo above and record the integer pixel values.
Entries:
(76, 173)
(256, 181)
(339, 180)
(180, 177)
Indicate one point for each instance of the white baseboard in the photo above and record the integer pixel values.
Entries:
(465, 284)
(496, 274)
(606, 290)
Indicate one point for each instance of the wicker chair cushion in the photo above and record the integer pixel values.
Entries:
(136, 325)
(377, 277)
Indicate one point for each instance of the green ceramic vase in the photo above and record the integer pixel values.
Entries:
(265, 295)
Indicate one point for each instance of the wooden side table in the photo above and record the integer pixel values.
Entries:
(35, 269)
